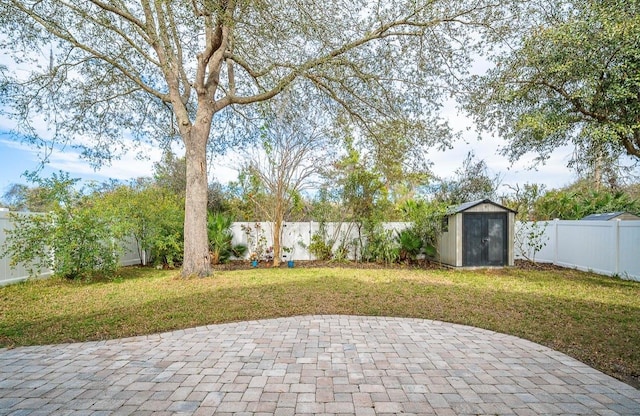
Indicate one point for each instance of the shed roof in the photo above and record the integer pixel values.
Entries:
(466, 205)
(606, 216)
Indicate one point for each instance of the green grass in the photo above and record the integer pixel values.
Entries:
(592, 318)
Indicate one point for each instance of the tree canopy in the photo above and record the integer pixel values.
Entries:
(472, 181)
(571, 77)
(188, 69)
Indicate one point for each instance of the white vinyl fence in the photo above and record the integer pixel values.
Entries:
(605, 247)
(9, 275)
(297, 236)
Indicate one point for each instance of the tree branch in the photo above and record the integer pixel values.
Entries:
(52, 28)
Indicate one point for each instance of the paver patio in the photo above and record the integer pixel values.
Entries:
(334, 365)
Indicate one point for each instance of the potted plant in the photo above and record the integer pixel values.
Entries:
(256, 240)
(253, 257)
(288, 250)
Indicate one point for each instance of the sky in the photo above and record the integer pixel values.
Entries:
(16, 158)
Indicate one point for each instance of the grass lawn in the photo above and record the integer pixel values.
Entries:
(592, 318)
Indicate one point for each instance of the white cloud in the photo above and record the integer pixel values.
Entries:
(553, 173)
(127, 167)
(69, 160)
(16, 145)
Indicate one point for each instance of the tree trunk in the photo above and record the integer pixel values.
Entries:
(278, 219)
(277, 232)
(197, 260)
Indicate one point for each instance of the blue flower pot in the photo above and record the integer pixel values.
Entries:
(290, 264)
(254, 263)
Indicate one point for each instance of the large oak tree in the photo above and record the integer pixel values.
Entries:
(143, 69)
(570, 76)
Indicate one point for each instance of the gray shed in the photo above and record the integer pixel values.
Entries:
(477, 234)
(620, 215)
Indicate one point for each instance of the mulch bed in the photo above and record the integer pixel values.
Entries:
(420, 264)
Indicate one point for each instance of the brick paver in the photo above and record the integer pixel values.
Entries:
(331, 365)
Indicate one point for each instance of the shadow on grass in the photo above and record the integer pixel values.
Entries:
(599, 334)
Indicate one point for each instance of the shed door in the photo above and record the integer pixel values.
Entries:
(484, 239)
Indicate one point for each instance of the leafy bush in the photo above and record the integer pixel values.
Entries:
(580, 200)
(341, 254)
(74, 239)
(381, 247)
(427, 222)
(167, 249)
(239, 250)
(321, 247)
(154, 216)
(410, 244)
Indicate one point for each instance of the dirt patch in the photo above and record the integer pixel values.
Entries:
(529, 265)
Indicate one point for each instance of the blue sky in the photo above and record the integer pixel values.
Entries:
(16, 158)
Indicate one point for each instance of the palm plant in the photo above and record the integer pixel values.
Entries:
(220, 239)
(410, 244)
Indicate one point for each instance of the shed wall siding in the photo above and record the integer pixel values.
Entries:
(447, 243)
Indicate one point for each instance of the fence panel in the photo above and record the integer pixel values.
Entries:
(629, 250)
(131, 255)
(528, 235)
(587, 246)
(297, 236)
(604, 247)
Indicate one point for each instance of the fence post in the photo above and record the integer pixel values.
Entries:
(555, 240)
(617, 246)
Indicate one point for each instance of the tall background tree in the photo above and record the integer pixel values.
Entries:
(170, 173)
(287, 162)
(20, 197)
(125, 69)
(361, 187)
(571, 76)
(472, 181)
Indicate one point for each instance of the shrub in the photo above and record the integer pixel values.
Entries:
(152, 215)
(167, 247)
(220, 239)
(321, 247)
(381, 247)
(73, 240)
(410, 244)
(427, 222)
